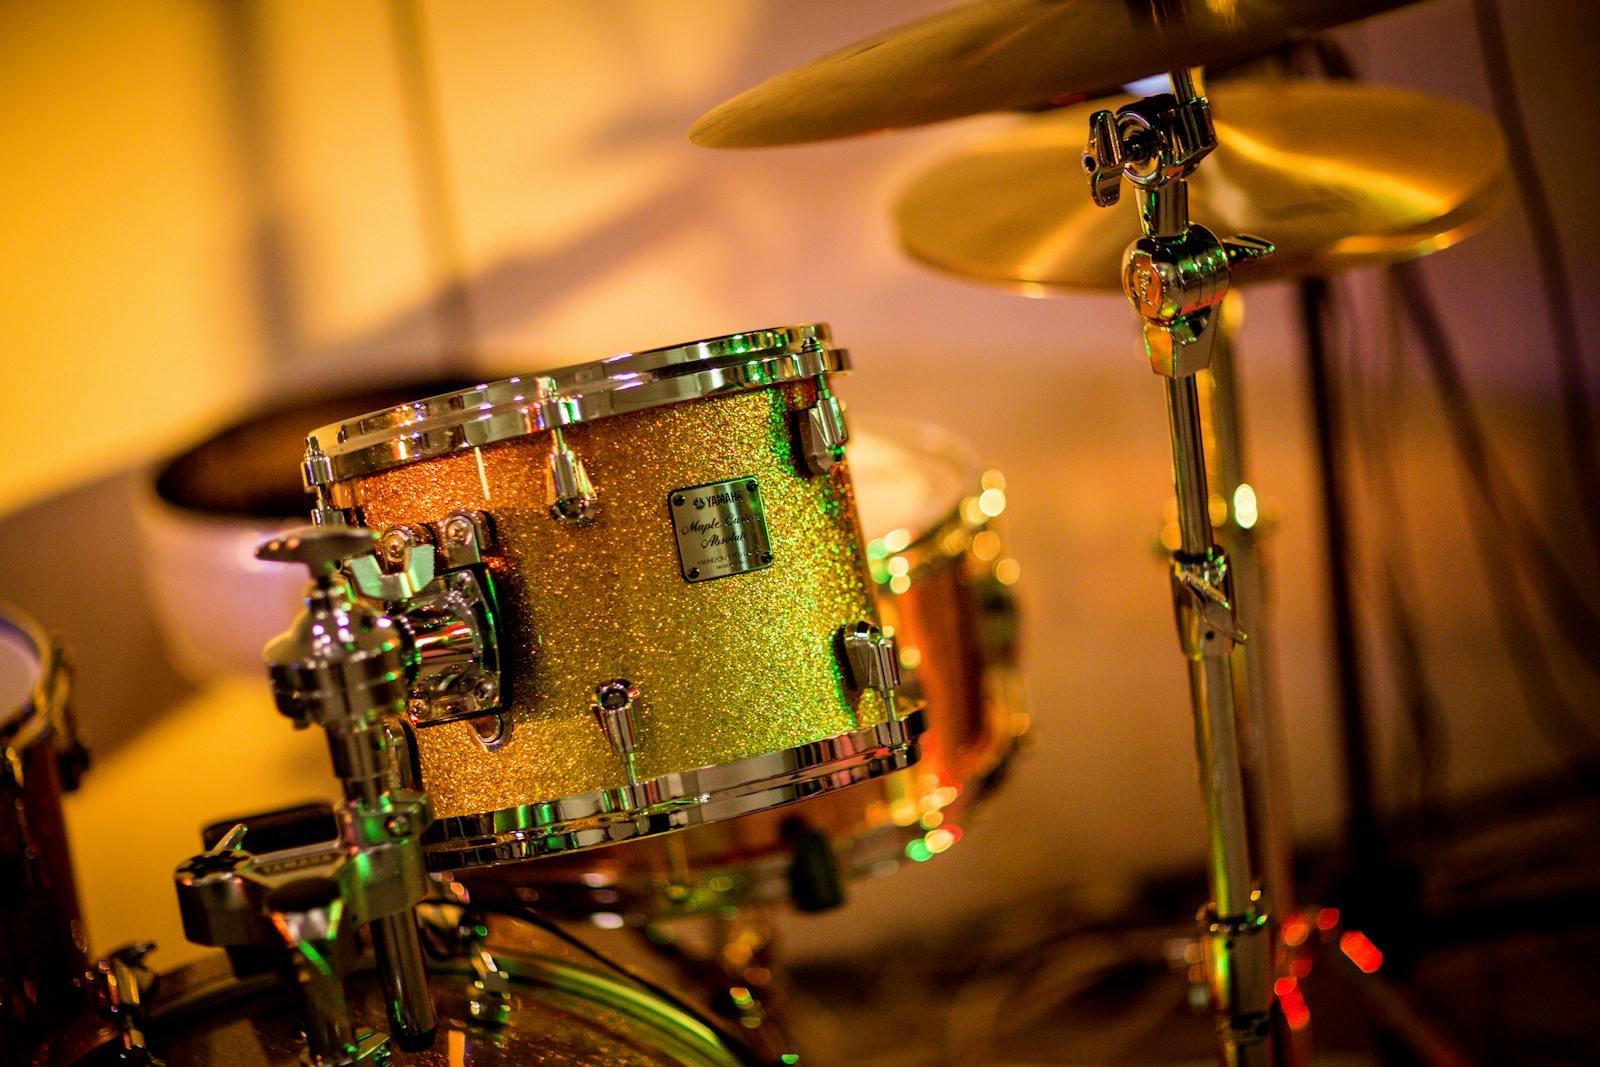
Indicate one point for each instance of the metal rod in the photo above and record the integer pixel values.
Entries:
(1260, 730)
(1189, 467)
(398, 953)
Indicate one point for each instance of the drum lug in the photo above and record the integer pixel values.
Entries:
(613, 709)
(869, 658)
(820, 433)
(568, 491)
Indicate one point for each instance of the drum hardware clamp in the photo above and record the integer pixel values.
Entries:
(342, 666)
(1176, 276)
(432, 584)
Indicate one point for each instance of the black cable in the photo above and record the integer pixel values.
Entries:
(1419, 701)
(1560, 724)
(1576, 621)
(1362, 835)
(1577, 418)
(745, 1054)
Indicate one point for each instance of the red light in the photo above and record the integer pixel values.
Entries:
(1300, 967)
(1295, 930)
(1362, 952)
(1327, 919)
(1293, 1003)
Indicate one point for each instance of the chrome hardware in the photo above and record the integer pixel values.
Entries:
(613, 709)
(121, 981)
(568, 490)
(426, 574)
(673, 801)
(396, 543)
(1201, 597)
(870, 660)
(454, 654)
(1231, 975)
(820, 432)
(464, 538)
(342, 666)
(569, 493)
(584, 393)
(1176, 276)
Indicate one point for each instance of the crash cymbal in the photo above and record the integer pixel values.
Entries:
(999, 55)
(1333, 173)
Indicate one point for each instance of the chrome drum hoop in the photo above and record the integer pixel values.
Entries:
(566, 396)
(675, 801)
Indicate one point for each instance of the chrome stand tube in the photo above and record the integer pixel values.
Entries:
(1259, 729)
(1176, 276)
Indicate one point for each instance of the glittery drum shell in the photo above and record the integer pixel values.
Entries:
(726, 669)
(951, 618)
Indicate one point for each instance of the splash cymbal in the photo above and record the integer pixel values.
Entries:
(1000, 55)
(1334, 174)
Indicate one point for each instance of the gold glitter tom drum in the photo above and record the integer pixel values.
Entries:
(945, 586)
(635, 593)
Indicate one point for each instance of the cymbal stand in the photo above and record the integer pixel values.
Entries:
(1176, 276)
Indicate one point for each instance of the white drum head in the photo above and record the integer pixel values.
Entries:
(908, 475)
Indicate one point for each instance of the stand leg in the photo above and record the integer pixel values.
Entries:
(1238, 950)
(1259, 728)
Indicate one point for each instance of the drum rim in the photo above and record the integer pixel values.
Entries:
(193, 989)
(623, 384)
(39, 714)
(674, 801)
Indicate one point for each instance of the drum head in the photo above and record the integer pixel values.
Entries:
(909, 475)
(19, 669)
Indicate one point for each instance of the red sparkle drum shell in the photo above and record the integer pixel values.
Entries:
(929, 512)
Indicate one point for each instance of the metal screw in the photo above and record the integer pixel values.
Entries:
(458, 530)
(485, 689)
(398, 824)
(694, 572)
(417, 707)
(395, 544)
(677, 501)
(766, 557)
(751, 485)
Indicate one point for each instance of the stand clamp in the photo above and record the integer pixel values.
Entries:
(343, 667)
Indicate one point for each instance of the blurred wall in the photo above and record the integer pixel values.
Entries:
(213, 202)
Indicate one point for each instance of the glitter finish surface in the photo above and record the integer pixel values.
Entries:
(726, 669)
(955, 629)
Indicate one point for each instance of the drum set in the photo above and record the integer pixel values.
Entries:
(662, 635)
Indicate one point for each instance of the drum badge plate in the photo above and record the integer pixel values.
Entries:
(721, 529)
